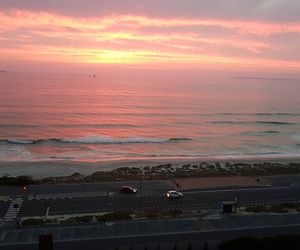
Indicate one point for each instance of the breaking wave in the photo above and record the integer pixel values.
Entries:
(267, 132)
(254, 122)
(95, 140)
(259, 114)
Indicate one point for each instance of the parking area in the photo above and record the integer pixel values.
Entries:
(148, 227)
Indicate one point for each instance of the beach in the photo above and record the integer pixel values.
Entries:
(161, 168)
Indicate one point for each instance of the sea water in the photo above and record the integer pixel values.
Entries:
(52, 117)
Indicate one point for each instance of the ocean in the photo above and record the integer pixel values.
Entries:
(75, 117)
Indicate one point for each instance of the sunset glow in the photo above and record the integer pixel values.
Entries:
(124, 38)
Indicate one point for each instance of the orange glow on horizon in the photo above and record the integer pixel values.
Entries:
(129, 39)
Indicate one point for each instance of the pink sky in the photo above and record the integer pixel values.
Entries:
(154, 34)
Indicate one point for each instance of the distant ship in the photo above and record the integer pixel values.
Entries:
(2, 71)
(92, 75)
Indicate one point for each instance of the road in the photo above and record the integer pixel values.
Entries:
(196, 200)
(105, 197)
(102, 187)
(153, 198)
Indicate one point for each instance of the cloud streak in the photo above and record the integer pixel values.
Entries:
(136, 39)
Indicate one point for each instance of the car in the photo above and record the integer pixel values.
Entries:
(174, 194)
(128, 190)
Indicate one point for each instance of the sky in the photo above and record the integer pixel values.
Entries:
(151, 34)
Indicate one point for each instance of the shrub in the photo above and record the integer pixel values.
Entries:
(173, 213)
(79, 219)
(291, 205)
(33, 222)
(278, 209)
(16, 181)
(257, 209)
(114, 216)
(151, 214)
(269, 209)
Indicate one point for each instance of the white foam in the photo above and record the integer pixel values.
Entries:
(296, 137)
(15, 153)
(110, 140)
(20, 141)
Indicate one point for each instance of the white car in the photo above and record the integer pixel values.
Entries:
(174, 194)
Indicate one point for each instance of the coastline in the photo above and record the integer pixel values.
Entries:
(43, 169)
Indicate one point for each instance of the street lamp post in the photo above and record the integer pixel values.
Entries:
(236, 197)
(141, 188)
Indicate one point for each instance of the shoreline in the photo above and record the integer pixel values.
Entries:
(44, 169)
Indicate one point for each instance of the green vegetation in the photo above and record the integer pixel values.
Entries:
(281, 208)
(33, 222)
(161, 214)
(78, 219)
(16, 181)
(115, 216)
(290, 242)
(295, 206)
(108, 217)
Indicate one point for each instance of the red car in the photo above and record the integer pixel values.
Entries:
(128, 190)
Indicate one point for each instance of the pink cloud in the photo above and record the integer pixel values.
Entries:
(142, 39)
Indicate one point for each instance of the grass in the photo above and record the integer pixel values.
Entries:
(281, 208)
(78, 219)
(152, 214)
(108, 217)
(33, 222)
(114, 216)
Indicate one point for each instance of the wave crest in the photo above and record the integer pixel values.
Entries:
(109, 140)
(259, 114)
(267, 132)
(95, 139)
(254, 122)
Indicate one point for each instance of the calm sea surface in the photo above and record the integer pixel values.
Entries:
(81, 118)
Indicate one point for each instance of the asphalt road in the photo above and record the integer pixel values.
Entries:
(192, 200)
(153, 198)
(148, 187)
(94, 197)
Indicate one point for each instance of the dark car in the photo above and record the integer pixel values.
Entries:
(128, 190)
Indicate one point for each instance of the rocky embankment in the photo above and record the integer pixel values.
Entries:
(167, 171)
